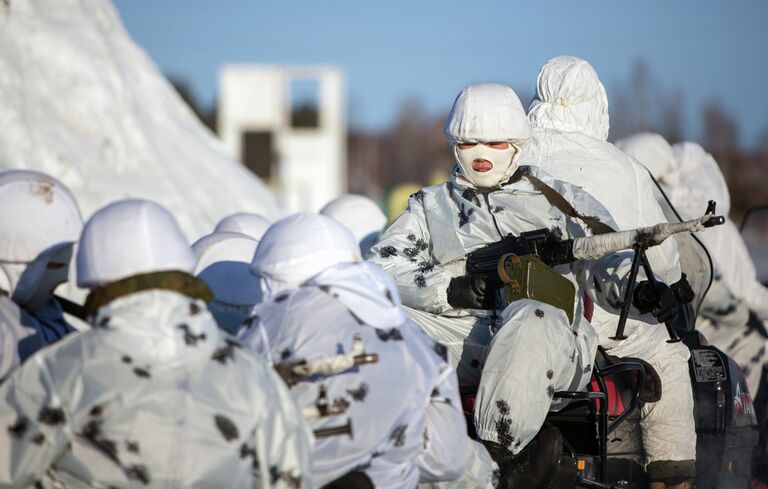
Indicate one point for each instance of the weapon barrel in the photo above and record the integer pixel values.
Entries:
(594, 247)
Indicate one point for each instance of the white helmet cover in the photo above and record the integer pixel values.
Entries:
(37, 212)
(570, 98)
(651, 150)
(253, 225)
(224, 264)
(39, 217)
(298, 247)
(131, 237)
(360, 215)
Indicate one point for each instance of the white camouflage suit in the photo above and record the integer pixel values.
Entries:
(519, 356)
(569, 119)
(405, 412)
(155, 395)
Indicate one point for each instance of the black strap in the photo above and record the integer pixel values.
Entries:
(565, 207)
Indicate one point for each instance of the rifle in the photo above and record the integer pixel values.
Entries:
(544, 245)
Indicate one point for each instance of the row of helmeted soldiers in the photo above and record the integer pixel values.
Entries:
(273, 355)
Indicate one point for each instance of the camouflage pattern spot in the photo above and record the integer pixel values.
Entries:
(360, 393)
(19, 428)
(141, 373)
(51, 416)
(387, 251)
(281, 297)
(138, 473)
(398, 435)
(420, 281)
(226, 427)
(389, 334)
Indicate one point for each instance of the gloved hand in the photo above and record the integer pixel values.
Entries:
(473, 291)
(683, 290)
(659, 300)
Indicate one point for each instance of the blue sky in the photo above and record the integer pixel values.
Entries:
(428, 50)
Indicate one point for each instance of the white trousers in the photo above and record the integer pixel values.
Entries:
(516, 369)
(667, 427)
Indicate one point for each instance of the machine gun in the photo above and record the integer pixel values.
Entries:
(523, 263)
(544, 243)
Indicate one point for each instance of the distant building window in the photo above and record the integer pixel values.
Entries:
(257, 152)
(305, 103)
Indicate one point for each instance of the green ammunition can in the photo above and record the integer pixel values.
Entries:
(527, 277)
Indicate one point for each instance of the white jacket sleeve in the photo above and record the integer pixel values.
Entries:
(404, 251)
(35, 424)
(445, 448)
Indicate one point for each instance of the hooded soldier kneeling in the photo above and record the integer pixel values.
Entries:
(154, 395)
(39, 224)
(381, 396)
(513, 355)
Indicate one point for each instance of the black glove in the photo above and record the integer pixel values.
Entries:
(683, 290)
(659, 300)
(473, 291)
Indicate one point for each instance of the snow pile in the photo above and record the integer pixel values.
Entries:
(81, 101)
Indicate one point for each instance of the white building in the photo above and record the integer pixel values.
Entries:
(287, 124)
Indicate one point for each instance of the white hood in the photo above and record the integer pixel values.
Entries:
(300, 246)
(570, 98)
(487, 112)
(38, 217)
(360, 215)
(367, 290)
(695, 180)
(253, 225)
(131, 237)
(224, 264)
(652, 151)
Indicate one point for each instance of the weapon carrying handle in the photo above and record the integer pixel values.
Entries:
(501, 270)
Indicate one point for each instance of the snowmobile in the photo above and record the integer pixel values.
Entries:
(595, 442)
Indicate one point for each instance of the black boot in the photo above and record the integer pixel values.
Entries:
(536, 466)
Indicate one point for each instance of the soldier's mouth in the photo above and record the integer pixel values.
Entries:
(481, 166)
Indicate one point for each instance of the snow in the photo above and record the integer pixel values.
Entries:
(81, 101)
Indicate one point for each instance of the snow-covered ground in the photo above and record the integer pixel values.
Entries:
(81, 101)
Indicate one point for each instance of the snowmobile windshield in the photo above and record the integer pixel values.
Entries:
(695, 261)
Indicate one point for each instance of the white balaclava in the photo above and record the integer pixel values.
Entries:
(570, 98)
(360, 215)
(224, 264)
(487, 113)
(298, 247)
(39, 223)
(131, 237)
(652, 151)
(253, 225)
